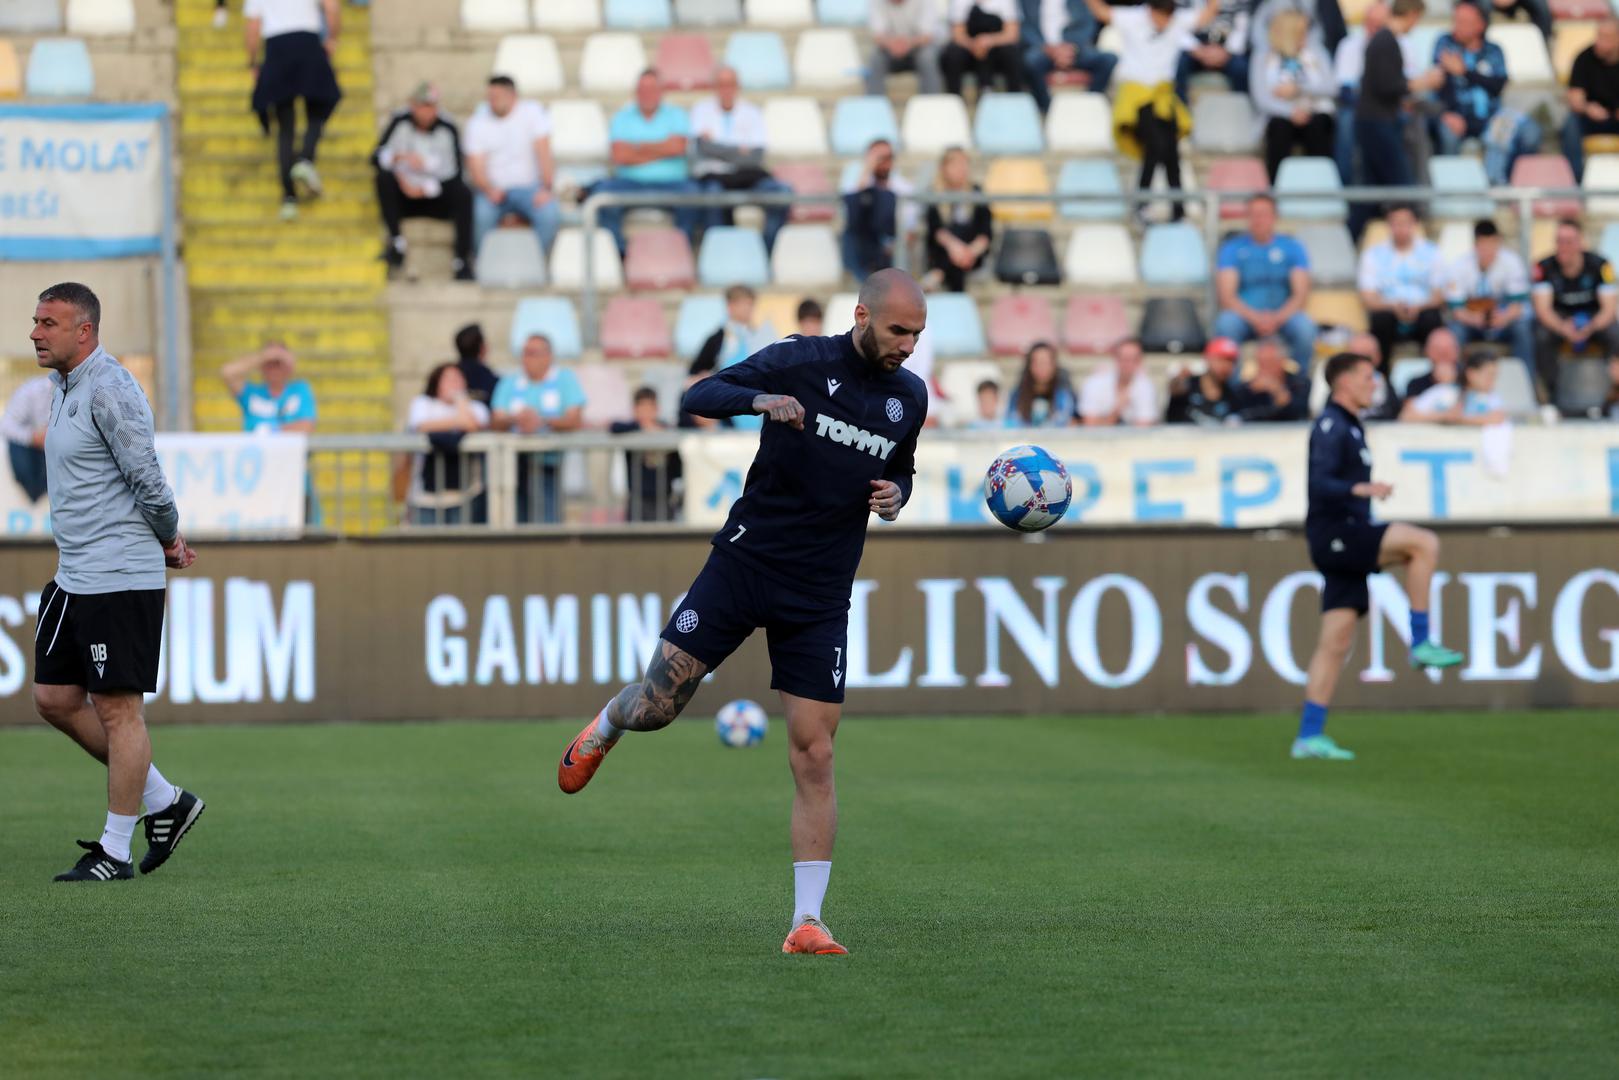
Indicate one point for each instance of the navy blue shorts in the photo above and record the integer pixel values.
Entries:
(1346, 554)
(808, 636)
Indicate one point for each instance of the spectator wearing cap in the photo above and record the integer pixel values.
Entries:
(650, 139)
(1475, 73)
(905, 37)
(1206, 397)
(1401, 282)
(1593, 94)
(417, 164)
(26, 417)
(508, 151)
(1272, 392)
(1059, 38)
(730, 152)
(1488, 294)
(1119, 392)
(275, 402)
(1263, 281)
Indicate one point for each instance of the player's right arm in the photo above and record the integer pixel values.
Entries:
(1326, 460)
(756, 385)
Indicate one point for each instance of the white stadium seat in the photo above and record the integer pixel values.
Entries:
(494, 15)
(100, 16)
(611, 62)
(794, 127)
(827, 59)
(1079, 124)
(780, 12)
(578, 131)
(840, 312)
(567, 14)
(532, 61)
(935, 121)
(1601, 174)
(1528, 62)
(806, 256)
(1100, 254)
(568, 260)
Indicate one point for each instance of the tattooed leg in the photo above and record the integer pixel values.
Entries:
(671, 679)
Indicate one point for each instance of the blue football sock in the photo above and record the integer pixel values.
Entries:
(1313, 721)
(1419, 627)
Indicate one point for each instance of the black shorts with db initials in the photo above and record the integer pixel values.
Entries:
(100, 641)
(808, 637)
(1346, 554)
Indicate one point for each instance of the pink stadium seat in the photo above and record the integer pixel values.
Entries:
(1016, 322)
(1236, 174)
(1547, 171)
(685, 61)
(1580, 9)
(806, 178)
(1094, 324)
(634, 327)
(659, 259)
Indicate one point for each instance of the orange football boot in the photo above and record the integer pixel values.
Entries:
(582, 758)
(811, 936)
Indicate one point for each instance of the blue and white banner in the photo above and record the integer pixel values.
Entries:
(81, 181)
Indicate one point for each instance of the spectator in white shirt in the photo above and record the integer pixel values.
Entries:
(730, 136)
(984, 40)
(905, 37)
(27, 414)
(1120, 392)
(508, 149)
(1488, 293)
(1400, 283)
(444, 482)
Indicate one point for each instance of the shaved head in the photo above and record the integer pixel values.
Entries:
(889, 317)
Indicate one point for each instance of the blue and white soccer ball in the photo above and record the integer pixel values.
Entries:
(1027, 489)
(741, 723)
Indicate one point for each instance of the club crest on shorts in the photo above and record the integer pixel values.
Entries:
(895, 410)
(686, 621)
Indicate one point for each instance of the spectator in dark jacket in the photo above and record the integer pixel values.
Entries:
(418, 174)
(871, 214)
(958, 234)
(653, 477)
(470, 351)
(1206, 397)
(1593, 94)
(1380, 112)
(1272, 392)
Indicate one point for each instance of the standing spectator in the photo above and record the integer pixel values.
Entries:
(1575, 299)
(649, 144)
(990, 415)
(27, 414)
(470, 351)
(1349, 62)
(1488, 293)
(984, 41)
(1475, 73)
(1380, 111)
(1470, 401)
(299, 38)
(871, 213)
(275, 401)
(730, 152)
(444, 484)
(1044, 396)
(1119, 392)
(1294, 88)
(810, 318)
(1059, 36)
(1401, 282)
(653, 477)
(509, 158)
(1206, 397)
(1444, 357)
(736, 339)
(417, 164)
(905, 37)
(1222, 47)
(1272, 392)
(1593, 95)
(959, 234)
(542, 398)
(1263, 282)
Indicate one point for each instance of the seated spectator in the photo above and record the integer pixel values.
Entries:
(1205, 397)
(1380, 110)
(905, 37)
(1327, 25)
(1294, 89)
(730, 152)
(470, 350)
(1444, 357)
(653, 476)
(27, 414)
(1263, 281)
(1044, 396)
(810, 318)
(274, 402)
(1575, 299)
(1221, 46)
(1272, 392)
(1120, 392)
(508, 151)
(984, 40)
(649, 145)
(417, 164)
(1059, 38)
(1471, 401)
(871, 213)
(1401, 282)
(443, 485)
(1593, 95)
(989, 415)
(1488, 293)
(959, 234)
(1475, 73)
(1348, 63)
(541, 399)
(1385, 402)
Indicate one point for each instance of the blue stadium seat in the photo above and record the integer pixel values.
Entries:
(30, 17)
(1008, 124)
(637, 14)
(1459, 174)
(1174, 254)
(859, 120)
(699, 317)
(1609, 248)
(1310, 174)
(1091, 176)
(841, 12)
(552, 316)
(732, 255)
(708, 12)
(760, 60)
(954, 326)
(60, 67)
(1333, 259)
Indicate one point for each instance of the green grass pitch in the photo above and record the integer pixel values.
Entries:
(1023, 897)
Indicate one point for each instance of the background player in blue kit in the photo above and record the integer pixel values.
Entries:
(1346, 546)
(839, 445)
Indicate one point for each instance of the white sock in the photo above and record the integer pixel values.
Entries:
(809, 889)
(115, 838)
(160, 794)
(605, 728)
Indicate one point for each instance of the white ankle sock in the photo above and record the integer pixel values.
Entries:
(604, 726)
(115, 838)
(809, 889)
(160, 794)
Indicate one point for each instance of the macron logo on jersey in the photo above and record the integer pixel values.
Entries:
(849, 435)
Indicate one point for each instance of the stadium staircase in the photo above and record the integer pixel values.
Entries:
(315, 283)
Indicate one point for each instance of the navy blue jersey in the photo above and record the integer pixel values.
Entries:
(803, 512)
(1339, 459)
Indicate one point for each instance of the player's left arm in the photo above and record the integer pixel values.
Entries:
(121, 415)
(890, 494)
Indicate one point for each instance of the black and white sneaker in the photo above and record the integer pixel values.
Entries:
(97, 865)
(165, 829)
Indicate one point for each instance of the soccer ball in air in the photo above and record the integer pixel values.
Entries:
(741, 723)
(1027, 489)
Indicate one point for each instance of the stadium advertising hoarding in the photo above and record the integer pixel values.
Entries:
(945, 622)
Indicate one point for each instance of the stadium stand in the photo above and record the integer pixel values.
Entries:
(794, 128)
(1224, 123)
(1016, 322)
(30, 17)
(1018, 176)
(827, 59)
(1173, 254)
(954, 326)
(60, 67)
(91, 17)
(637, 14)
(857, 122)
(1093, 324)
(497, 15)
(659, 258)
(10, 71)
(708, 12)
(1100, 254)
(552, 316)
(935, 122)
(1027, 257)
(731, 255)
(699, 316)
(532, 61)
(779, 12)
(1008, 124)
(1332, 253)
(568, 263)
(760, 60)
(1602, 173)
(842, 12)
(1079, 123)
(1458, 177)
(1170, 324)
(574, 15)
(1240, 175)
(578, 131)
(684, 61)
(634, 327)
(806, 178)
(611, 62)
(805, 256)
(1309, 174)
(1547, 171)
(511, 259)
(1091, 176)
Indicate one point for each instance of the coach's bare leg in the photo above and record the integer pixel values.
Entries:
(670, 680)
(811, 726)
(1331, 653)
(1418, 549)
(129, 749)
(68, 710)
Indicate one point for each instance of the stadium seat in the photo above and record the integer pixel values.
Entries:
(1027, 257)
(532, 61)
(1457, 174)
(659, 259)
(684, 61)
(840, 312)
(759, 59)
(935, 122)
(30, 17)
(1170, 324)
(60, 67)
(10, 72)
(708, 12)
(1564, 11)
(1337, 307)
(1406, 369)
(1602, 173)
(794, 128)
(779, 12)
(611, 62)
(699, 316)
(1528, 63)
(1100, 255)
(842, 12)
(1008, 124)
(1455, 240)
(1079, 123)
(1091, 176)
(1016, 322)
(1237, 174)
(954, 326)
(1542, 239)
(1422, 39)
(731, 255)
(607, 394)
(958, 382)
(778, 312)
(93, 17)
(1309, 174)
(552, 316)
(1582, 385)
(578, 131)
(494, 15)
(827, 59)
(574, 15)
(1570, 40)
(1547, 171)
(806, 178)
(568, 260)
(1333, 259)
(806, 256)
(858, 121)
(511, 259)
(637, 14)
(1174, 254)
(1093, 324)
(633, 327)
(1018, 176)
(1517, 390)
(1224, 123)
